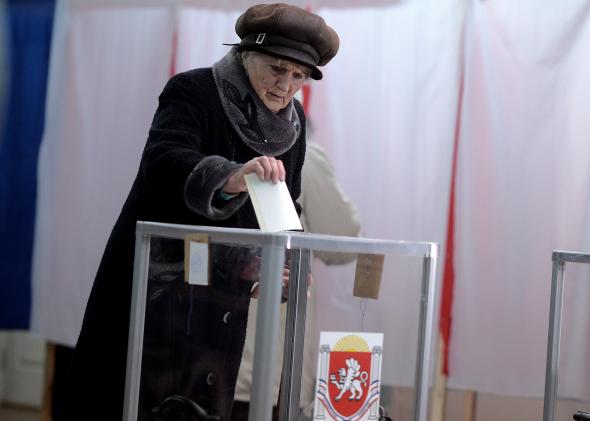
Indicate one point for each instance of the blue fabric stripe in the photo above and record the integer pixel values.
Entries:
(29, 39)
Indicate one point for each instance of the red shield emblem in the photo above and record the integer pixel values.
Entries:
(349, 376)
(349, 381)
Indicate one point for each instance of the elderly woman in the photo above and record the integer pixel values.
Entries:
(212, 127)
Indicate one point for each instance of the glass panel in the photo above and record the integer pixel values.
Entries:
(333, 307)
(194, 334)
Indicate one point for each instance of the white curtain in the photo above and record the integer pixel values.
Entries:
(523, 190)
(201, 35)
(107, 68)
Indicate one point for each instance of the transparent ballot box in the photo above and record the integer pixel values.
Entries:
(567, 389)
(236, 324)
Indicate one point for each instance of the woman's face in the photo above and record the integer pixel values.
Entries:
(274, 80)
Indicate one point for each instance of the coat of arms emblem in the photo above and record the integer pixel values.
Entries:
(349, 376)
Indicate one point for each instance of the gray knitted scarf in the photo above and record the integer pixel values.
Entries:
(262, 130)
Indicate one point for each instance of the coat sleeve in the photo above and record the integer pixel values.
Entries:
(173, 161)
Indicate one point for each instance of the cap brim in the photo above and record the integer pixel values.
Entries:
(285, 53)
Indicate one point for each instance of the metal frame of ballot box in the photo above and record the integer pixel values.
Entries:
(555, 304)
(274, 246)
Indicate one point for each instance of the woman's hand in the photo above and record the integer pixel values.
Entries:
(266, 167)
(254, 293)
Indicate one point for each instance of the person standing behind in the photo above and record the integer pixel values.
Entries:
(325, 208)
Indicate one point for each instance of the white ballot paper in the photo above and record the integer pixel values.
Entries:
(273, 205)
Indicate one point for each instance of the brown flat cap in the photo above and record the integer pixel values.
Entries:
(288, 32)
